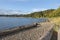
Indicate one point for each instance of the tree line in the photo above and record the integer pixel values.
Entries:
(45, 13)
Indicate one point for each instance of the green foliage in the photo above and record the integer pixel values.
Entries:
(55, 13)
(46, 13)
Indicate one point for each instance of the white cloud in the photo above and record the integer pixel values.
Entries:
(38, 9)
(9, 12)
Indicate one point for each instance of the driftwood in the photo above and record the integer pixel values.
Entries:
(17, 29)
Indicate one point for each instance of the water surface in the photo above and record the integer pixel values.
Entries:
(10, 22)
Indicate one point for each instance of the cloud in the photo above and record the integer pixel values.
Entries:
(10, 12)
(38, 9)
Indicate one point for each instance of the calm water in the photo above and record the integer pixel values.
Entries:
(9, 22)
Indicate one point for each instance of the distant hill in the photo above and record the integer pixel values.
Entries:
(55, 13)
(45, 13)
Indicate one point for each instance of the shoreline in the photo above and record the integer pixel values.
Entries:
(21, 28)
(34, 32)
(17, 29)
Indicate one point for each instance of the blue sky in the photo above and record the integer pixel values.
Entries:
(29, 5)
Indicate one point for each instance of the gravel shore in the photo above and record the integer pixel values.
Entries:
(33, 33)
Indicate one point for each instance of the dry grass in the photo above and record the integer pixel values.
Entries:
(56, 21)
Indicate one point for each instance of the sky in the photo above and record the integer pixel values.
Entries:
(29, 5)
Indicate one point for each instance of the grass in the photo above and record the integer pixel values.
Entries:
(56, 21)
